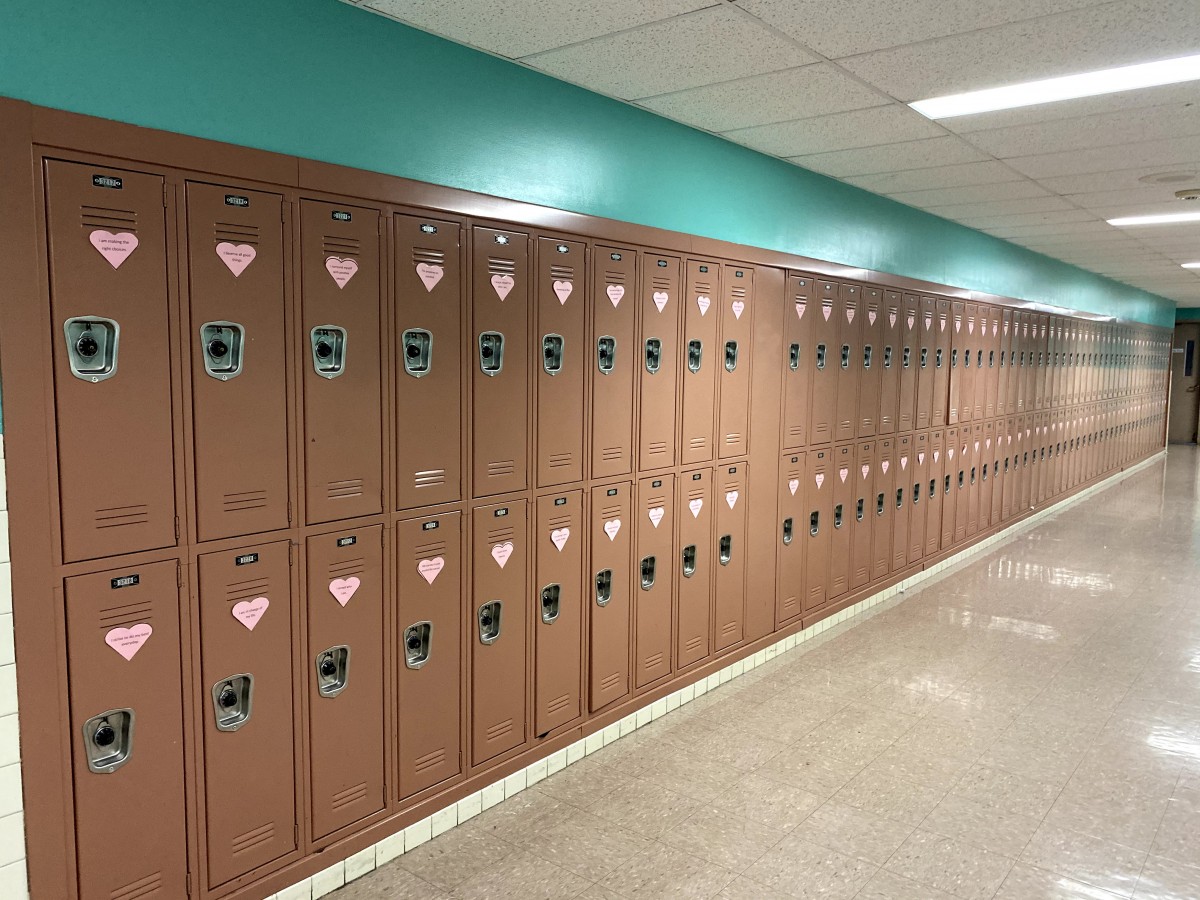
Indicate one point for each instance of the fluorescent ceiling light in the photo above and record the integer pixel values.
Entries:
(1066, 87)
(1164, 219)
(1195, 265)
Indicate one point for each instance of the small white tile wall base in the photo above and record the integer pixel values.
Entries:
(13, 880)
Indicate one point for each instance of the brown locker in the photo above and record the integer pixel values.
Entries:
(609, 607)
(558, 550)
(846, 358)
(1054, 344)
(662, 305)
(1011, 465)
(127, 732)
(1020, 345)
(654, 579)
(346, 671)
(1004, 404)
(818, 507)
(702, 357)
(737, 320)
(614, 315)
(984, 457)
(429, 565)
(694, 556)
(246, 647)
(797, 374)
(429, 363)
(891, 362)
(497, 632)
(888, 507)
(920, 463)
(1028, 461)
(500, 299)
(941, 365)
(341, 297)
(996, 438)
(561, 328)
(870, 384)
(960, 364)
(729, 549)
(967, 507)
(991, 357)
(862, 514)
(937, 494)
(953, 471)
(108, 294)
(790, 555)
(823, 362)
(927, 362)
(237, 333)
(977, 395)
(975, 480)
(1040, 384)
(907, 358)
(840, 546)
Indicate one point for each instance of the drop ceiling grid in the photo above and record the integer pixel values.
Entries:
(825, 86)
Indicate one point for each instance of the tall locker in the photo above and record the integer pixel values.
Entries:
(346, 674)
(1020, 345)
(1054, 347)
(891, 362)
(246, 645)
(992, 370)
(429, 567)
(884, 507)
(558, 553)
(941, 365)
(995, 441)
(702, 357)
(818, 523)
(341, 298)
(1004, 405)
(917, 486)
(843, 515)
(964, 461)
(614, 317)
(823, 363)
(1040, 392)
(961, 381)
(695, 515)
(939, 488)
(789, 557)
(498, 634)
(980, 487)
(862, 514)
(654, 577)
(908, 360)
(561, 297)
(928, 359)
(237, 335)
(127, 732)
(1011, 465)
(662, 304)
(979, 342)
(729, 543)
(797, 374)
(871, 377)
(849, 341)
(1028, 461)
(428, 378)
(737, 320)
(500, 299)
(108, 297)
(952, 466)
(612, 549)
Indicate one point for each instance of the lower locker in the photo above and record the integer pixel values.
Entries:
(609, 608)
(862, 515)
(729, 547)
(936, 495)
(843, 513)
(789, 556)
(558, 551)
(916, 484)
(952, 469)
(963, 460)
(976, 469)
(884, 509)
(997, 455)
(654, 577)
(127, 732)
(818, 523)
(694, 559)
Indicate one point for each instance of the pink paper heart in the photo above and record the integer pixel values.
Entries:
(343, 588)
(660, 299)
(429, 569)
(562, 290)
(904, 462)
(910, 321)
(615, 293)
(341, 270)
(248, 612)
(950, 453)
(695, 506)
(128, 641)
(892, 320)
(871, 316)
(793, 485)
(865, 470)
(843, 472)
(703, 303)
(738, 308)
(920, 458)
(826, 309)
(800, 305)
(885, 465)
(430, 275)
(820, 479)
(936, 455)
(503, 285)
(850, 314)
(501, 553)
(559, 536)
(656, 514)
(116, 248)
(236, 256)
(731, 498)
(611, 527)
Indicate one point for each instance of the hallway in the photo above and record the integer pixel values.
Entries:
(1025, 726)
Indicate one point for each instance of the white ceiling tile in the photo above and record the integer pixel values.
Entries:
(1148, 193)
(1046, 218)
(1115, 179)
(1014, 231)
(990, 172)
(1002, 207)
(841, 131)
(705, 47)
(775, 97)
(978, 193)
(939, 151)
(1161, 154)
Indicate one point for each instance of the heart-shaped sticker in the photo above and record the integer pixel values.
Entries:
(501, 553)
(971, 326)
(559, 537)
(904, 462)
(115, 248)
(656, 514)
(703, 303)
(871, 316)
(429, 569)
(928, 321)
(826, 308)
(562, 290)
(843, 472)
(865, 470)
(910, 321)
(793, 485)
(430, 275)
(942, 323)
(738, 307)
(236, 256)
(615, 293)
(731, 498)
(503, 285)
(695, 506)
(849, 313)
(660, 299)
(343, 588)
(611, 527)
(936, 455)
(921, 458)
(128, 641)
(950, 453)
(884, 465)
(892, 320)
(341, 270)
(820, 479)
(248, 612)
(800, 305)
(957, 324)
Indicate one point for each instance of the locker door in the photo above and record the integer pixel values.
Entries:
(890, 514)
(846, 358)
(927, 362)
(968, 496)
(1054, 345)
(346, 671)
(658, 371)
(500, 298)
(729, 550)
(654, 579)
(818, 524)
(429, 565)
(891, 362)
(108, 294)
(843, 515)
(997, 436)
(1020, 345)
(978, 340)
(862, 514)
(497, 629)
(614, 314)
(797, 373)
(941, 365)
(952, 463)
(871, 375)
(975, 477)
(558, 549)
(1009, 465)
(560, 376)
(793, 526)
(237, 334)
(960, 363)
(1040, 389)
(1028, 462)
(341, 297)
(246, 688)
(1004, 365)
(127, 732)
(985, 458)
(702, 358)
(992, 361)
(694, 557)
(936, 494)
(609, 608)
(909, 363)
(429, 363)
(823, 364)
(737, 320)
(917, 487)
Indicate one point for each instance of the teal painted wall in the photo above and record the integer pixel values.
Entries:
(1187, 314)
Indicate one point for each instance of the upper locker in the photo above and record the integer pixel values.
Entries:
(561, 375)
(428, 377)
(909, 363)
(992, 363)
(737, 320)
(891, 360)
(658, 373)
(112, 368)
(927, 359)
(1003, 361)
(797, 374)
(822, 362)
(701, 359)
(871, 377)
(342, 289)
(939, 401)
(236, 265)
(617, 360)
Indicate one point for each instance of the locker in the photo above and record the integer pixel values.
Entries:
(888, 507)
(964, 461)
(341, 299)
(871, 376)
(1040, 392)
(1028, 461)
(996, 436)
(891, 358)
(941, 365)
(737, 320)
(246, 680)
(952, 469)
(992, 406)
(429, 566)
(909, 364)
(928, 359)
(1004, 406)
(235, 263)
(500, 299)
(346, 671)
(960, 365)
(1020, 342)
(789, 596)
(920, 462)
(797, 372)
(614, 314)
(702, 358)
(560, 377)
(1053, 349)
(429, 364)
(823, 363)
(843, 514)
(127, 732)
(497, 632)
(612, 549)
(975, 478)
(658, 372)
(654, 579)
(862, 514)
(1011, 465)
(818, 505)
(108, 296)
(978, 340)
(984, 457)
(849, 342)
(695, 515)
(558, 550)
(729, 551)
(937, 493)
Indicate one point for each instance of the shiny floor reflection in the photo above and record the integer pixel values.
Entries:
(1025, 726)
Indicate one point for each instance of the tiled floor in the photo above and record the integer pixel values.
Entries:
(1026, 726)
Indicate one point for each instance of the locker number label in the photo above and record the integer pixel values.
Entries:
(246, 559)
(112, 182)
(347, 541)
(125, 581)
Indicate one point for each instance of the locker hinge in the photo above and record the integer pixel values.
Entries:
(188, 883)
(290, 547)
(289, 505)
(177, 528)
(164, 195)
(178, 575)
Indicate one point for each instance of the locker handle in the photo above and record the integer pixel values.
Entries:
(551, 594)
(221, 346)
(879, 504)
(954, 358)
(689, 560)
(653, 355)
(985, 468)
(328, 350)
(960, 479)
(820, 356)
(845, 356)
(233, 701)
(418, 644)
(647, 570)
(837, 516)
(725, 549)
(92, 347)
(858, 509)
(814, 523)
(695, 353)
(491, 353)
(887, 357)
(979, 359)
(932, 488)
(552, 353)
(794, 357)
(916, 494)
(947, 485)
(418, 351)
(603, 587)
(333, 670)
(972, 474)
(937, 363)
(899, 498)
(731, 355)
(867, 352)
(787, 531)
(606, 354)
(489, 621)
(108, 740)
(924, 357)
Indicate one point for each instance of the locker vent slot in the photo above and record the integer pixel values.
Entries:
(341, 246)
(698, 443)
(133, 612)
(244, 500)
(693, 644)
(612, 454)
(239, 590)
(610, 512)
(614, 277)
(429, 478)
(253, 839)
(102, 217)
(562, 273)
(235, 233)
(348, 567)
(430, 760)
(657, 448)
(559, 460)
(349, 796)
(501, 468)
(738, 292)
(500, 730)
(427, 550)
(497, 266)
(122, 515)
(608, 682)
(660, 284)
(702, 287)
(558, 703)
(434, 257)
(143, 887)
(733, 439)
(344, 490)
(500, 535)
(730, 628)
(653, 661)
